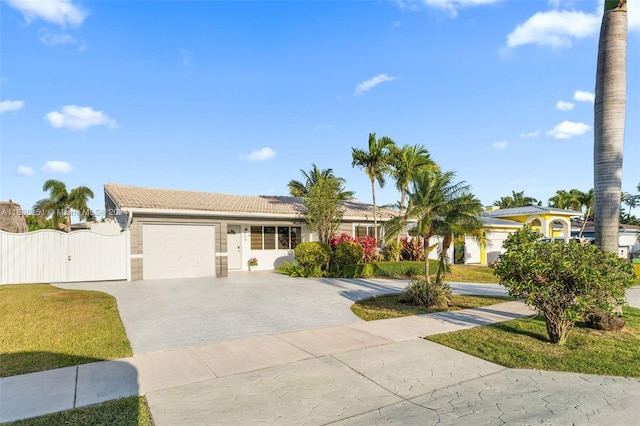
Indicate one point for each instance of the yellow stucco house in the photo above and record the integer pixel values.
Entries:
(500, 223)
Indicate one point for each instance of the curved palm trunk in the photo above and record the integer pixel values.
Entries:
(609, 116)
(442, 264)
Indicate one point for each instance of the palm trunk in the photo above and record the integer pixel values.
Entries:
(403, 197)
(68, 219)
(442, 264)
(375, 217)
(425, 244)
(609, 117)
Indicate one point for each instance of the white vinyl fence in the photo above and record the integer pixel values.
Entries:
(54, 256)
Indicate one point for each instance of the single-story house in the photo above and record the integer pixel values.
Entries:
(176, 234)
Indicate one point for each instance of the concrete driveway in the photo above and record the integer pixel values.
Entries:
(170, 314)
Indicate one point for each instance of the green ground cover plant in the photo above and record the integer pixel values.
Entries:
(44, 327)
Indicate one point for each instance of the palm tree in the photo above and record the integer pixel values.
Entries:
(429, 201)
(517, 199)
(404, 164)
(608, 127)
(60, 203)
(375, 163)
(315, 175)
(566, 200)
(461, 217)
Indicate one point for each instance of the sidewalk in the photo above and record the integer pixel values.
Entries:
(362, 373)
(87, 384)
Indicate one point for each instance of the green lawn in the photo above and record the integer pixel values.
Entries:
(388, 306)
(523, 343)
(43, 327)
(472, 274)
(132, 411)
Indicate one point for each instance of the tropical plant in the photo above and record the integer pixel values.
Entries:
(314, 176)
(608, 127)
(404, 164)
(516, 199)
(313, 257)
(60, 203)
(434, 198)
(422, 292)
(461, 216)
(375, 162)
(564, 282)
(566, 200)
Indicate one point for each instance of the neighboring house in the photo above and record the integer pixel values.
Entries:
(179, 234)
(628, 236)
(500, 223)
(12, 217)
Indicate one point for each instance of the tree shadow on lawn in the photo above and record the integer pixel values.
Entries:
(538, 320)
(12, 364)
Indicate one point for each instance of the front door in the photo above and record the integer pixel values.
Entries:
(234, 247)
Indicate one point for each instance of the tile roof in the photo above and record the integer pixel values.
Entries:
(529, 210)
(170, 199)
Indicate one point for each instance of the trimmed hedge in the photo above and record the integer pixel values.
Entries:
(347, 253)
(403, 269)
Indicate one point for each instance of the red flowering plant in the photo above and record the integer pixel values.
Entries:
(370, 247)
(336, 239)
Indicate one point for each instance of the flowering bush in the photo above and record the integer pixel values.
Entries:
(342, 238)
(253, 262)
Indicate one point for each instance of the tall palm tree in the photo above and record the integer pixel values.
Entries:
(374, 161)
(313, 177)
(61, 202)
(429, 201)
(404, 164)
(608, 126)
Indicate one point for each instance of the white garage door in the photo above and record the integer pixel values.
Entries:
(178, 251)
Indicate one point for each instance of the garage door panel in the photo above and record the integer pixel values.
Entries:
(178, 251)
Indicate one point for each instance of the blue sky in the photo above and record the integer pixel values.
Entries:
(237, 97)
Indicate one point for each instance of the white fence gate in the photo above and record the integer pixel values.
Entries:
(54, 256)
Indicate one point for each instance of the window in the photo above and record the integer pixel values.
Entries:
(362, 231)
(271, 237)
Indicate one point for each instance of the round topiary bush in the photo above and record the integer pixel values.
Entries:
(348, 253)
(313, 254)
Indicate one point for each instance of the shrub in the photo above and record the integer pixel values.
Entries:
(563, 281)
(347, 253)
(313, 255)
(344, 237)
(391, 251)
(421, 292)
(411, 249)
(370, 248)
(387, 269)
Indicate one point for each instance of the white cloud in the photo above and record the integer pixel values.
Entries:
(565, 106)
(451, 6)
(78, 118)
(371, 83)
(568, 129)
(51, 39)
(582, 96)
(261, 154)
(24, 170)
(6, 106)
(554, 28)
(500, 145)
(56, 167)
(59, 12)
(528, 135)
